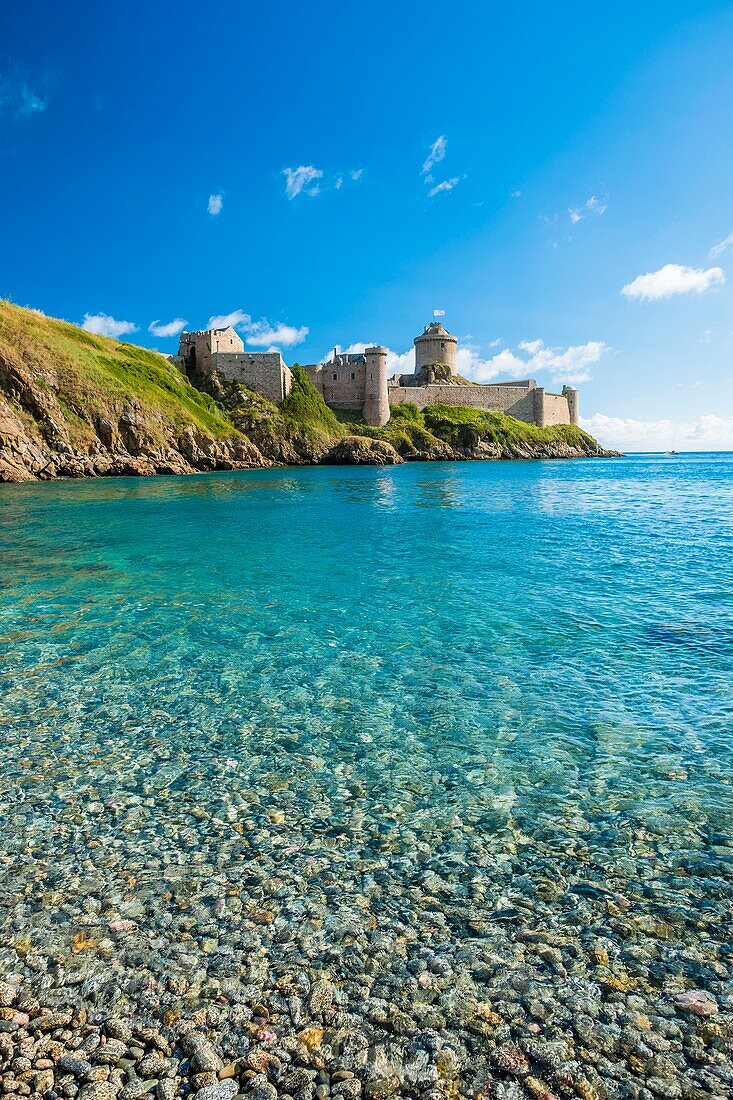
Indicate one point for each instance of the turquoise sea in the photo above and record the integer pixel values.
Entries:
(442, 735)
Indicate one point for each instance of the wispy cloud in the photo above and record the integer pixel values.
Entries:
(302, 180)
(436, 154)
(18, 99)
(673, 279)
(357, 174)
(592, 207)
(101, 324)
(169, 328)
(719, 248)
(260, 333)
(215, 204)
(446, 185)
(706, 433)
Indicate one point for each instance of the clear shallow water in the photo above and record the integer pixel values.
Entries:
(372, 723)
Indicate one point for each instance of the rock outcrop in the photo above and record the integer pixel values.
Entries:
(357, 450)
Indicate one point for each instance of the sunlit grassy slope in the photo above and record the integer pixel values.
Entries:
(92, 375)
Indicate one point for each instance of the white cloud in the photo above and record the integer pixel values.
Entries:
(592, 205)
(101, 324)
(516, 194)
(215, 204)
(298, 180)
(436, 154)
(170, 328)
(571, 364)
(719, 248)
(673, 279)
(224, 320)
(531, 346)
(357, 174)
(705, 338)
(260, 333)
(284, 336)
(446, 185)
(707, 433)
(339, 183)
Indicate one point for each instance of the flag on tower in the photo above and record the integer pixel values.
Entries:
(438, 313)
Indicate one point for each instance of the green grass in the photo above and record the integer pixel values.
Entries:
(93, 375)
(410, 429)
(459, 427)
(305, 410)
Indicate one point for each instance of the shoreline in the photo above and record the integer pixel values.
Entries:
(81, 467)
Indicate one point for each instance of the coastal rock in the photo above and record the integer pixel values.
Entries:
(696, 1001)
(356, 450)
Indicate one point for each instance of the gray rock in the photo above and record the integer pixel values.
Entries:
(110, 1053)
(205, 1059)
(77, 1067)
(223, 1090)
(98, 1090)
(696, 1001)
(264, 1092)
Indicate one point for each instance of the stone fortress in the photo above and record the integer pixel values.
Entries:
(358, 382)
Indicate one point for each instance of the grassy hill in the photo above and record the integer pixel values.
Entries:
(93, 375)
(76, 404)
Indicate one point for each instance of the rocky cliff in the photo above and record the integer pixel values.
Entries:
(73, 404)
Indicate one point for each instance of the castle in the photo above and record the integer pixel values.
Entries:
(359, 382)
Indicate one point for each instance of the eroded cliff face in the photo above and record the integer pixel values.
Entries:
(36, 442)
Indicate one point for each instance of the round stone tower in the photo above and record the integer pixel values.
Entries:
(435, 345)
(572, 395)
(376, 401)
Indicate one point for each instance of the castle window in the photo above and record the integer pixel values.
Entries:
(353, 376)
(335, 378)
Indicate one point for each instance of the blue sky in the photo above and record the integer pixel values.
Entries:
(330, 173)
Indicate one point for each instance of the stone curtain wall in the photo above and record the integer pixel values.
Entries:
(265, 372)
(341, 392)
(556, 409)
(515, 401)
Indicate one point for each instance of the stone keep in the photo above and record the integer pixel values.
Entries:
(435, 345)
